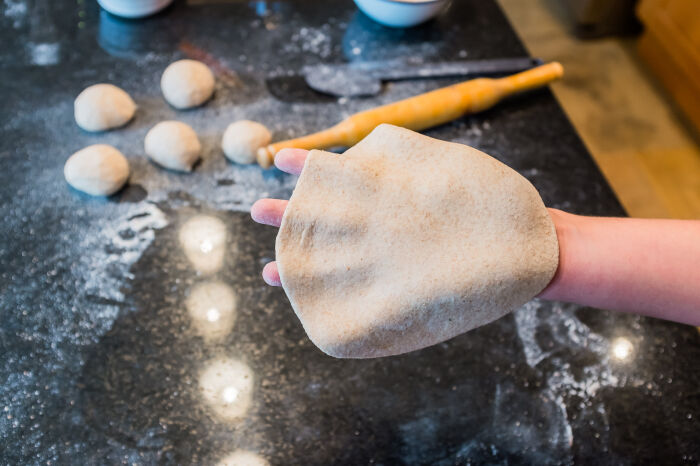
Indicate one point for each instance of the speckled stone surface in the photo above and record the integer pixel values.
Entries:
(136, 329)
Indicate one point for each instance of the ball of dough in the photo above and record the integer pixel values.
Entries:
(187, 83)
(99, 170)
(174, 145)
(103, 106)
(242, 140)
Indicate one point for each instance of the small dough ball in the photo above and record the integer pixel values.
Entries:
(99, 170)
(242, 140)
(187, 83)
(174, 145)
(103, 106)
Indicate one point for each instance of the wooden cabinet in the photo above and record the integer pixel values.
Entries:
(670, 45)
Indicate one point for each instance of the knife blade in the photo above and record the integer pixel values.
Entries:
(365, 78)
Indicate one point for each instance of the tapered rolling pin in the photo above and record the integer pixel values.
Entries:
(422, 111)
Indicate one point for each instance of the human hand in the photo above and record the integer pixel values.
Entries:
(634, 265)
(270, 211)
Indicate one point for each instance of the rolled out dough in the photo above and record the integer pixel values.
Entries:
(405, 241)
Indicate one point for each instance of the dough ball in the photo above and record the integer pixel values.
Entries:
(242, 140)
(99, 170)
(103, 106)
(187, 83)
(174, 145)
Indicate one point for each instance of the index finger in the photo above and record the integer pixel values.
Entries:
(291, 160)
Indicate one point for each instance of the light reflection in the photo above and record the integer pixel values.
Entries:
(203, 239)
(227, 388)
(622, 348)
(213, 314)
(206, 246)
(212, 308)
(229, 394)
(243, 458)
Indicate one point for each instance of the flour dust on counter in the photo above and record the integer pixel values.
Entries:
(315, 41)
(160, 374)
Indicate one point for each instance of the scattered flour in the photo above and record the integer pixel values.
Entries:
(311, 40)
(562, 385)
(16, 10)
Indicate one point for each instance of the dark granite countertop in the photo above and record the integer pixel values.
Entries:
(137, 329)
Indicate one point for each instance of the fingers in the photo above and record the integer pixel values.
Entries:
(268, 211)
(291, 160)
(271, 275)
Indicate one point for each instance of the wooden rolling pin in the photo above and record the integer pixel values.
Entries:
(421, 111)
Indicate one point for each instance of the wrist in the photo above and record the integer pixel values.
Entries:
(568, 231)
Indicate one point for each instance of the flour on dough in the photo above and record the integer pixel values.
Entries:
(405, 241)
(99, 170)
(242, 139)
(187, 83)
(103, 106)
(174, 145)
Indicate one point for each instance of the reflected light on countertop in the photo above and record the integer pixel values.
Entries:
(212, 307)
(622, 349)
(206, 246)
(213, 314)
(243, 458)
(227, 388)
(229, 394)
(203, 239)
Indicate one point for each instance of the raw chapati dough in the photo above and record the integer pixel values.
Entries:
(405, 241)
(99, 170)
(187, 83)
(242, 140)
(103, 106)
(174, 145)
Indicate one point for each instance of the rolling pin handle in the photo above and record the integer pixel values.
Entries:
(532, 78)
(266, 157)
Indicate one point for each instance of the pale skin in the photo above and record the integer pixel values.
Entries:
(644, 266)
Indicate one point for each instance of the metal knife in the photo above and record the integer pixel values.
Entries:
(365, 78)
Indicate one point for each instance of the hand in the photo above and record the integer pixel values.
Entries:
(632, 265)
(270, 211)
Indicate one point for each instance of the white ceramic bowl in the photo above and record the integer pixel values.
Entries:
(133, 8)
(401, 13)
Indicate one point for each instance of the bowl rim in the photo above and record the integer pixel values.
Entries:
(412, 2)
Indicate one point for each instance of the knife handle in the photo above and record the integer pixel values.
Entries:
(421, 111)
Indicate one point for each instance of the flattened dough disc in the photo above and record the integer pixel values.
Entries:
(405, 241)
